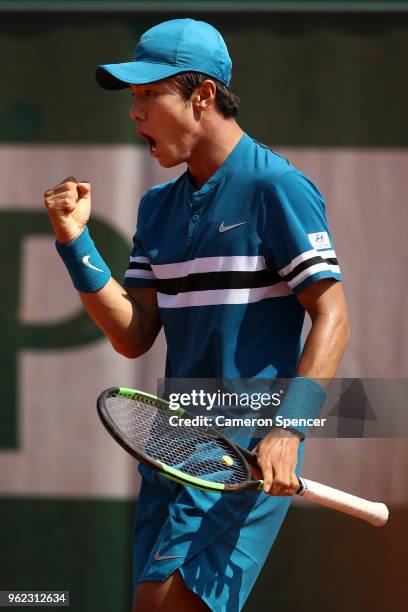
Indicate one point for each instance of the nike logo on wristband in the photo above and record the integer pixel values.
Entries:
(85, 260)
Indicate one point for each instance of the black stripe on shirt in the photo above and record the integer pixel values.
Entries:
(204, 281)
(136, 265)
(307, 264)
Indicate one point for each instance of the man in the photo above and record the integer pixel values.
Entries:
(227, 258)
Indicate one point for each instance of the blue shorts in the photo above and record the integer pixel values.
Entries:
(218, 542)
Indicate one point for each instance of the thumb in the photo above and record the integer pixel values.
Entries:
(83, 189)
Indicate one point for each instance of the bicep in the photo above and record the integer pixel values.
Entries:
(324, 297)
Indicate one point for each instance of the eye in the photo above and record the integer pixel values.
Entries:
(149, 92)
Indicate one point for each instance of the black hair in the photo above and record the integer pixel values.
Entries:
(227, 103)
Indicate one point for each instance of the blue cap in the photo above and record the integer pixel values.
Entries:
(172, 47)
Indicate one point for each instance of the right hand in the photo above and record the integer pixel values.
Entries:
(69, 208)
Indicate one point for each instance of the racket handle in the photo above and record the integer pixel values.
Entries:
(372, 512)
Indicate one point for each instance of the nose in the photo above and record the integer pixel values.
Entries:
(135, 113)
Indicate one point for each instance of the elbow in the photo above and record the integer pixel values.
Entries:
(131, 351)
(132, 345)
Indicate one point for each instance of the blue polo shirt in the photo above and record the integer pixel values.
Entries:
(227, 261)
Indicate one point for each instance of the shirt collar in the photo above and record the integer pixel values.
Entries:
(228, 166)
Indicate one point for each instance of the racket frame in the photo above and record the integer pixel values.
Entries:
(159, 466)
(373, 512)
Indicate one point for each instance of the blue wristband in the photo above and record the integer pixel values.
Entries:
(302, 400)
(87, 269)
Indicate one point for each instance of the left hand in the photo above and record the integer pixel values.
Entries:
(277, 455)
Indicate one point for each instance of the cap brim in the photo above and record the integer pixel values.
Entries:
(120, 76)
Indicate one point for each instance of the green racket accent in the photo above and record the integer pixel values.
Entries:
(184, 479)
(125, 392)
(131, 393)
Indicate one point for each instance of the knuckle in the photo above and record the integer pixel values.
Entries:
(49, 194)
(294, 484)
(282, 482)
(260, 459)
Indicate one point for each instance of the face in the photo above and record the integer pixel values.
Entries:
(165, 121)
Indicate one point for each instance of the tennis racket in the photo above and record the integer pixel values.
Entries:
(201, 457)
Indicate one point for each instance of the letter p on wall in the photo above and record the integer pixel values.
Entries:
(16, 335)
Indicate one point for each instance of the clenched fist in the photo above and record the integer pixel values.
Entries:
(69, 208)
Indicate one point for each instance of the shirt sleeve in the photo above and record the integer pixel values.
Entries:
(299, 245)
(139, 272)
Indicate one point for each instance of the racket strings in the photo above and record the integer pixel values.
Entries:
(196, 451)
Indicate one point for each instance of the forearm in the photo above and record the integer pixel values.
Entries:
(122, 319)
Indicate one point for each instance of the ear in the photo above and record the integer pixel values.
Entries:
(204, 96)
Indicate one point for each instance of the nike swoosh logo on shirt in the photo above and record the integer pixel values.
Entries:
(225, 228)
(160, 557)
(86, 261)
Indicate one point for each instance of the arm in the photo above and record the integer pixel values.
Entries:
(321, 355)
(128, 317)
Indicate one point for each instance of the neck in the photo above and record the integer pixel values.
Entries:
(212, 149)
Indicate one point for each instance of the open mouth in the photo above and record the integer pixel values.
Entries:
(150, 141)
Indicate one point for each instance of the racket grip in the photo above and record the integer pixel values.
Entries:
(372, 512)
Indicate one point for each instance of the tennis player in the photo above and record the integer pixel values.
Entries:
(227, 258)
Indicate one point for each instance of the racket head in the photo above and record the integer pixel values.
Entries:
(195, 456)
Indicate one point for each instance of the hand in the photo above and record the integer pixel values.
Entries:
(69, 208)
(277, 455)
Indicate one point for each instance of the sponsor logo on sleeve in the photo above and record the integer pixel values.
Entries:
(320, 240)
